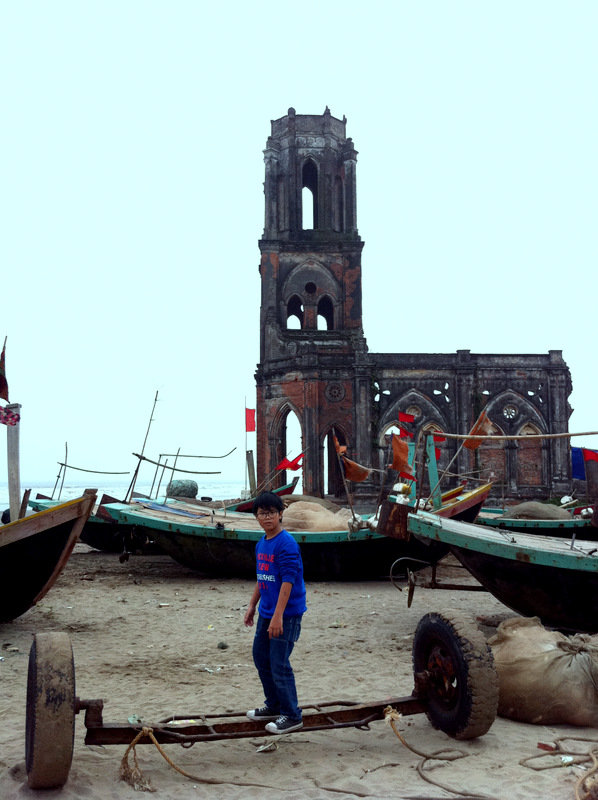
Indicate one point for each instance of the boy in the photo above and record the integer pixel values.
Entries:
(280, 591)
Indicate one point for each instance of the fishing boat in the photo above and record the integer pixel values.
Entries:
(102, 532)
(34, 550)
(281, 491)
(549, 577)
(460, 503)
(568, 525)
(223, 543)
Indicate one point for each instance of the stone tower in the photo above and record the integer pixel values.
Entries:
(311, 334)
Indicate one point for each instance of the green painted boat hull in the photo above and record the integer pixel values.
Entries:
(230, 552)
(547, 577)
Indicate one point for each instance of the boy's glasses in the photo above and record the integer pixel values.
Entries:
(267, 513)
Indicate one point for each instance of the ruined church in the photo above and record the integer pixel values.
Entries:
(314, 359)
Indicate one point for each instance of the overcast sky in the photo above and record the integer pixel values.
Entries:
(131, 200)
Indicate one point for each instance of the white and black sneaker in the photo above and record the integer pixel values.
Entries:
(262, 713)
(284, 725)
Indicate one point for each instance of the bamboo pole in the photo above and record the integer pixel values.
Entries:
(66, 458)
(131, 489)
(342, 469)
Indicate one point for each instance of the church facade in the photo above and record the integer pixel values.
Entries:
(315, 362)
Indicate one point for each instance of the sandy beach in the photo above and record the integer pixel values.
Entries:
(151, 638)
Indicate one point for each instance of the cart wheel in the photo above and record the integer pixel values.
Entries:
(462, 683)
(50, 724)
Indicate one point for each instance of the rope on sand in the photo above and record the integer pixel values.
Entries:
(392, 716)
(132, 774)
(134, 777)
(586, 787)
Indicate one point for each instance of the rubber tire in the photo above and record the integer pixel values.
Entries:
(50, 723)
(468, 708)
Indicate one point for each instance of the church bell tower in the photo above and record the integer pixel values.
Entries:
(313, 354)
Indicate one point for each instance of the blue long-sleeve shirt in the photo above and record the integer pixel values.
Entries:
(279, 561)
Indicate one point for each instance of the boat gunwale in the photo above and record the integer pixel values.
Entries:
(510, 545)
(195, 528)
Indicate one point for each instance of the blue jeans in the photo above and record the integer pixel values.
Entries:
(271, 657)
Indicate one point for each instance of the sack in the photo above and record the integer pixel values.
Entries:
(534, 510)
(306, 516)
(544, 676)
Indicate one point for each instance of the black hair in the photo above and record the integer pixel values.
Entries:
(267, 500)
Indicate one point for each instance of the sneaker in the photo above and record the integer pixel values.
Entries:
(262, 713)
(284, 725)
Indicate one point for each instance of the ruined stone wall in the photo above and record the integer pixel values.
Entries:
(328, 378)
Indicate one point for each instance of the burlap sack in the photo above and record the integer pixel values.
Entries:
(306, 516)
(534, 510)
(544, 676)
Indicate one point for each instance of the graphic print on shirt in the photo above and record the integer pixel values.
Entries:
(264, 562)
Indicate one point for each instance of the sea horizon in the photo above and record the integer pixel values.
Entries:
(214, 489)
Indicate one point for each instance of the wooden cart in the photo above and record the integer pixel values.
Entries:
(455, 680)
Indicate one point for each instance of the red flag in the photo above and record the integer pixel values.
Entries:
(400, 455)
(406, 476)
(405, 434)
(3, 383)
(250, 420)
(437, 452)
(482, 427)
(439, 438)
(294, 464)
(353, 471)
(589, 455)
(8, 417)
(403, 417)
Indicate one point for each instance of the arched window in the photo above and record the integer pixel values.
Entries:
(295, 313)
(291, 446)
(529, 457)
(492, 460)
(309, 196)
(325, 314)
(332, 476)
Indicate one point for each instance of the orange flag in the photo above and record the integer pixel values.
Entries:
(353, 471)
(341, 449)
(400, 455)
(482, 427)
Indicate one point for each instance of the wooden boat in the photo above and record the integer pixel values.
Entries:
(282, 491)
(224, 543)
(549, 577)
(459, 503)
(34, 551)
(574, 525)
(102, 532)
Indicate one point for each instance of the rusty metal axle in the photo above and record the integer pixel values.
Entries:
(200, 728)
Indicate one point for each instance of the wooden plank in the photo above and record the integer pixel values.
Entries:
(251, 473)
(28, 526)
(13, 460)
